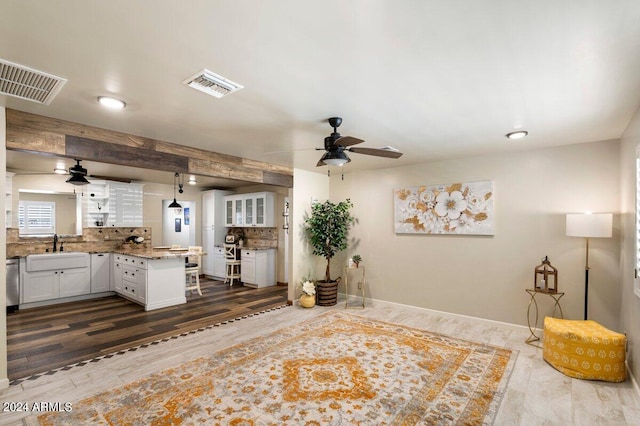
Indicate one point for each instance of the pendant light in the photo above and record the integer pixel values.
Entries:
(175, 204)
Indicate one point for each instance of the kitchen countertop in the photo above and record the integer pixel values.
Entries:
(155, 254)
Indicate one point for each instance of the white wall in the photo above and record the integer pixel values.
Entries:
(486, 277)
(302, 262)
(630, 309)
(154, 194)
(4, 378)
(187, 235)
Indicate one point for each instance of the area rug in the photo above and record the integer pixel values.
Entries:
(338, 368)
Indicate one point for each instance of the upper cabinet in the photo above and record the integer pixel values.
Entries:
(114, 204)
(233, 210)
(253, 209)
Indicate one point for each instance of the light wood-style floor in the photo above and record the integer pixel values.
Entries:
(536, 394)
(46, 338)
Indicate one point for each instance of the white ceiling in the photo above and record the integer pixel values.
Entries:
(435, 79)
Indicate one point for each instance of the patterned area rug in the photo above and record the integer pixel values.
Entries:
(338, 368)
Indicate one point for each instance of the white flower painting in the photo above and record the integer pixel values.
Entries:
(458, 208)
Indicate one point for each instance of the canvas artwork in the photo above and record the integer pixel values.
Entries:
(457, 208)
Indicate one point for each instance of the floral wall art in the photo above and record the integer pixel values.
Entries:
(457, 208)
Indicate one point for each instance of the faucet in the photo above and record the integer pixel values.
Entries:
(55, 243)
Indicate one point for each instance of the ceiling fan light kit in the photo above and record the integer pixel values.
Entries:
(335, 146)
(78, 174)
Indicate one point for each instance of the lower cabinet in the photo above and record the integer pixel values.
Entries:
(55, 284)
(219, 263)
(153, 283)
(258, 267)
(100, 272)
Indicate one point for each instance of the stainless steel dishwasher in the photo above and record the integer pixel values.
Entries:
(13, 284)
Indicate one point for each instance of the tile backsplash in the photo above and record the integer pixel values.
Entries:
(92, 240)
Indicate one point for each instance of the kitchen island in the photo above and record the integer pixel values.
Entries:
(154, 279)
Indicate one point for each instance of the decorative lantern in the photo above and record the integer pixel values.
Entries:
(545, 277)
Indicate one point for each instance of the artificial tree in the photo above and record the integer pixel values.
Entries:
(328, 229)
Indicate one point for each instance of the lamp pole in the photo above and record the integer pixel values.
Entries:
(586, 281)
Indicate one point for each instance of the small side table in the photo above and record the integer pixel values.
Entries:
(361, 285)
(533, 293)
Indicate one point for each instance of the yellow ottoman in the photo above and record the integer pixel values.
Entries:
(584, 350)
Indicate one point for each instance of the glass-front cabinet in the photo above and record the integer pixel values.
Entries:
(252, 209)
(234, 210)
(249, 209)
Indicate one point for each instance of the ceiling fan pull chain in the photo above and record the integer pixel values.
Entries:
(342, 174)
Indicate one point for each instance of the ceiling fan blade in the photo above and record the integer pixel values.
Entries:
(347, 141)
(320, 163)
(377, 152)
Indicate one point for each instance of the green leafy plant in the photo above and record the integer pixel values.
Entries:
(328, 229)
(356, 259)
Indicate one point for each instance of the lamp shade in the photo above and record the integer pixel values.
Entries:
(589, 225)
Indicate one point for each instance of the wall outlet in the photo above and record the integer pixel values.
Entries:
(359, 285)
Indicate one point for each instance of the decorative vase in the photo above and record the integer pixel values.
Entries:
(307, 301)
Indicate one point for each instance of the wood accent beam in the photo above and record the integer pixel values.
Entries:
(107, 152)
(50, 136)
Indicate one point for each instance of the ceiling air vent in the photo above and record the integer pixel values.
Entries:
(212, 84)
(27, 83)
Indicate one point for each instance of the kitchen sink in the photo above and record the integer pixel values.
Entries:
(58, 260)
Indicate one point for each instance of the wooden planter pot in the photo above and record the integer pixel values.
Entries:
(327, 292)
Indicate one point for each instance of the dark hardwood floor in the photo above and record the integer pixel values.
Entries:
(46, 338)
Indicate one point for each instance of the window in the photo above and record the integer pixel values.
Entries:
(37, 217)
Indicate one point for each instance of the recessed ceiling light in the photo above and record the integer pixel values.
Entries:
(517, 134)
(192, 180)
(112, 103)
(60, 171)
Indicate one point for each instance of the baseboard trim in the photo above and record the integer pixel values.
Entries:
(378, 302)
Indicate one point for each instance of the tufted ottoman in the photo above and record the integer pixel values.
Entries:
(584, 350)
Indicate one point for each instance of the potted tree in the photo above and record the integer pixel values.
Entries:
(327, 228)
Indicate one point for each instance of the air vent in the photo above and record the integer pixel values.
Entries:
(212, 84)
(27, 83)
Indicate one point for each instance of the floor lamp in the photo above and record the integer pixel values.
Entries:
(589, 225)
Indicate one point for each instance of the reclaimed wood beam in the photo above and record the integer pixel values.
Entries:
(50, 136)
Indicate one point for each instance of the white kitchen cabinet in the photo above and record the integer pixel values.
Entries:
(220, 263)
(54, 284)
(39, 286)
(234, 210)
(100, 272)
(74, 282)
(251, 209)
(153, 283)
(116, 275)
(213, 228)
(258, 267)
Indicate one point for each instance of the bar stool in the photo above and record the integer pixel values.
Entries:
(232, 264)
(192, 270)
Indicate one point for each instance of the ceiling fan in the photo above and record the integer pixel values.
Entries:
(335, 146)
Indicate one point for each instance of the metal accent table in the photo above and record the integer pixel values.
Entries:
(346, 285)
(556, 298)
